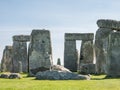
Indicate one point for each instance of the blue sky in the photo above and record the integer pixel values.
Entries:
(58, 16)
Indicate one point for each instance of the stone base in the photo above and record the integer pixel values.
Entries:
(33, 72)
(87, 69)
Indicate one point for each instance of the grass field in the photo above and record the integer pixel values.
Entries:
(29, 83)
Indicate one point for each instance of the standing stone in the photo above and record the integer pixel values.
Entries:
(58, 61)
(113, 55)
(107, 45)
(86, 54)
(86, 57)
(70, 55)
(20, 52)
(101, 44)
(40, 51)
(6, 62)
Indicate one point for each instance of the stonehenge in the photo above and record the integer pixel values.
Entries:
(37, 57)
(107, 47)
(20, 52)
(101, 44)
(113, 55)
(6, 62)
(70, 51)
(70, 55)
(40, 54)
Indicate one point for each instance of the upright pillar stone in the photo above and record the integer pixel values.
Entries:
(85, 64)
(40, 51)
(101, 44)
(113, 56)
(108, 47)
(70, 55)
(20, 52)
(6, 62)
(86, 54)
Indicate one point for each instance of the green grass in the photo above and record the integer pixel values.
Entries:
(29, 83)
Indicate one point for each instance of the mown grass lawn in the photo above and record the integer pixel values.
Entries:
(28, 83)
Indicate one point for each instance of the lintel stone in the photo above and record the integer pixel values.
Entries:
(108, 23)
(22, 38)
(79, 36)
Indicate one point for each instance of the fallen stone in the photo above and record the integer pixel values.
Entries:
(15, 76)
(59, 68)
(60, 75)
(4, 75)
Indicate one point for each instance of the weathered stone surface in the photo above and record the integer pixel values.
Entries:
(58, 61)
(113, 55)
(60, 75)
(4, 75)
(6, 62)
(101, 45)
(21, 38)
(79, 36)
(11, 75)
(107, 23)
(86, 54)
(88, 68)
(20, 66)
(59, 68)
(15, 76)
(20, 53)
(39, 69)
(40, 51)
(70, 55)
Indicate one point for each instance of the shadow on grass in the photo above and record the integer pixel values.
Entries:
(97, 78)
(112, 77)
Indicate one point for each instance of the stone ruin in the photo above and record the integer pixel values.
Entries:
(71, 60)
(107, 47)
(39, 56)
(6, 62)
(20, 52)
(40, 51)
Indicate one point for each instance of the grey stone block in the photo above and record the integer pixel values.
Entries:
(6, 62)
(40, 50)
(107, 23)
